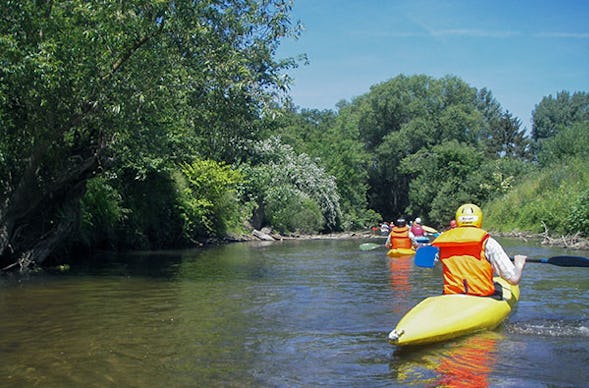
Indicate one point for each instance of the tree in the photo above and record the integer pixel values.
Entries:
(87, 86)
(444, 177)
(570, 143)
(321, 134)
(404, 115)
(506, 139)
(554, 113)
(282, 183)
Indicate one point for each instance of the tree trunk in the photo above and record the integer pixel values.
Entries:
(37, 217)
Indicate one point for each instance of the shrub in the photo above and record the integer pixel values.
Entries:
(207, 198)
(101, 212)
(291, 211)
(279, 173)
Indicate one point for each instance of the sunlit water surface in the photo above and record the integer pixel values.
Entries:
(293, 313)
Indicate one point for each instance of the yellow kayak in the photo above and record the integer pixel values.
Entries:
(442, 317)
(400, 252)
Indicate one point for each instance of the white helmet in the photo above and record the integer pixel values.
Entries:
(418, 220)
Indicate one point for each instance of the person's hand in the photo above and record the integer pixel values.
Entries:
(519, 261)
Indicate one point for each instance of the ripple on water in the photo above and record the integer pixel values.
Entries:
(550, 328)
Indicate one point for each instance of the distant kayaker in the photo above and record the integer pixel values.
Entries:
(385, 229)
(470, 256)
(452, 224)
(399, 236)
(416, 232)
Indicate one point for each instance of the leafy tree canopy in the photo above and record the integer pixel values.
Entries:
(555, 113)
(123, 86)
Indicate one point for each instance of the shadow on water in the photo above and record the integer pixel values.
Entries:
(156, 264)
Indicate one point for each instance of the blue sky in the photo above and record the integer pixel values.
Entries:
(520, 50)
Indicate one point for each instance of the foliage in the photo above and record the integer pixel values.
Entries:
(278, 174)
(547, 200)
(335, 144)
(151, 221)
(443, 178)
(508, 140)
(578, 219)
(553, 114)
(88, 87)
(569, 143)
(290, 210)
(207, 198)
(102, 212)
(408, 115)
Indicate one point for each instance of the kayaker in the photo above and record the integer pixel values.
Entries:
(416, 232)
(470, 256)
(385, 229)
(399, 236)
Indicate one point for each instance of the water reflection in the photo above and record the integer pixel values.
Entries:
(400, 273)
(466, 362)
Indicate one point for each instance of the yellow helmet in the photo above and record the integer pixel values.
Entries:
(469, 215)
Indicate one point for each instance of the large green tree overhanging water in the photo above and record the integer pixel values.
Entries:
(127, 87)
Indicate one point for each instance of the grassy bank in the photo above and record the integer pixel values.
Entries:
(551, 202)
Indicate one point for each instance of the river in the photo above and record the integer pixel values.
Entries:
(284, 314)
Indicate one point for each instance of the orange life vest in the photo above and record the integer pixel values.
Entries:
(400, 237)
(462, 254)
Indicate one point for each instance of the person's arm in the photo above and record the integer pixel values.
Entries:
(511, 272)
(388, 242)
(519, 263)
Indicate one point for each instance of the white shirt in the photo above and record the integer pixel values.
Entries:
(501, 263)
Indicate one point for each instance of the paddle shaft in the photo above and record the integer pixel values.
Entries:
(562, 261)
(426, 256)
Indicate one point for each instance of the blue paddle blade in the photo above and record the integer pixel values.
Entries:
(426, 256)
(567, 261)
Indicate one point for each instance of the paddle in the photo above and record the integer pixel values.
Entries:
(562, 261)
(370, 246)
(429, 229)
(426, 256)
(423, 240)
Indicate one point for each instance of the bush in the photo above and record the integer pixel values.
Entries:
(207, 198)
(280, 176)
(578, 220)
(291, 211)
(546, 199)
(101, 212)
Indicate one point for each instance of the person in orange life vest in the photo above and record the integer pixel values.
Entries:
(399, 236)
(416, 231)
(470, 256)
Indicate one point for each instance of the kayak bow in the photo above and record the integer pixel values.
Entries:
(443, 317)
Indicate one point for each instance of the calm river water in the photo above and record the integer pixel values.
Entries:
(285, 314)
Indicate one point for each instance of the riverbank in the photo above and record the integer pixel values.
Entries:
(265, 234)
(569, 242)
